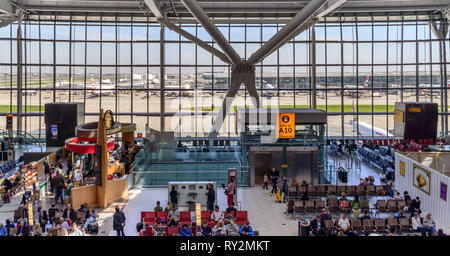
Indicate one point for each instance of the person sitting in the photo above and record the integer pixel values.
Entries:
(82, 208)
(91, 216)
(365, 216)
(231, 209)
(76, 231)
(173, 216)
(216, 215)
(294, 184)
(158, 207)
(69, 213)
(325, 215)
(205, 229)
(219, 229)
(398, 197)
(428, 225)
(230, 226)
(3, 231)
(390, 189)
(305, 194)
(246, 230)
(415, 206)
(318, 226)
(8, 185)
(343, 197)
(9, 225)
(356, 206)
(344, 224)
(415, 223)
(37, 230)
(63, 223)
(401, 214)
(22, 229)
(441, 233)
(185, 230)
(158, 230)
(168, 207)
(407, 196)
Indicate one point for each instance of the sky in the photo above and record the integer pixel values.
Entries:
(292, 53)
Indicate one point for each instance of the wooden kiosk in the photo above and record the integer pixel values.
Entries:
(104, 191)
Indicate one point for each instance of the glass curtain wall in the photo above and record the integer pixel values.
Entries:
(364, 66)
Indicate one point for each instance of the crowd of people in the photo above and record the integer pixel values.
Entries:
(222, 223)
(52, 222)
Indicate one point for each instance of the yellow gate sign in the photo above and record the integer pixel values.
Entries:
(198, 214)
(286, 125)
(30, 214)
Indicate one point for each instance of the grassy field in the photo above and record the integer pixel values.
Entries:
(32, 108)
(331, 108)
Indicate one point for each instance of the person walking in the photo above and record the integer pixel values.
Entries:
(211, 198)
(230, 192)
(274, 175)
(119, 222)
(173, 196)
(266, 181)
(59, 186)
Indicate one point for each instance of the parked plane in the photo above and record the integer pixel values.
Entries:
(97, 90)
(366, 130)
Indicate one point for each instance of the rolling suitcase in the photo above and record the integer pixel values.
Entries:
(93, 227)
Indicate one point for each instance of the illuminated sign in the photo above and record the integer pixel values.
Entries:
(416, 110)
(9, 121)
(286, 125)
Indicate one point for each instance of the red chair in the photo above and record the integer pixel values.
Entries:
(161, 217)
(148, 231)
(185, 218)
(241, 217)
(193, 230)
(206, 215)
(171, 231)
(148, 218)
(420, 141)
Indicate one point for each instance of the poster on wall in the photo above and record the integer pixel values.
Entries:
(98, 165)
(422, 179)
(443, 191)
(402, 168)
(54, 131)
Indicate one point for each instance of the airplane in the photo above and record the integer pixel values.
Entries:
(269, 90)
(350, 90)
(103, 89)
(427, 89)
(365, 129)
(175, 89)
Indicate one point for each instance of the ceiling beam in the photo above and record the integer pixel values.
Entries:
(274, 43)
(195, 40)
(207, 24)
(6, 7)
(153, 5)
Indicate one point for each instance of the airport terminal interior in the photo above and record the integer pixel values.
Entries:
(224, 117)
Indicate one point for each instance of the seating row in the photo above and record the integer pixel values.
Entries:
(151, 218)
(380, 225)
(335, 205)
(323, 190)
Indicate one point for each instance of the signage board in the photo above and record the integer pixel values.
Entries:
(286, 125)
